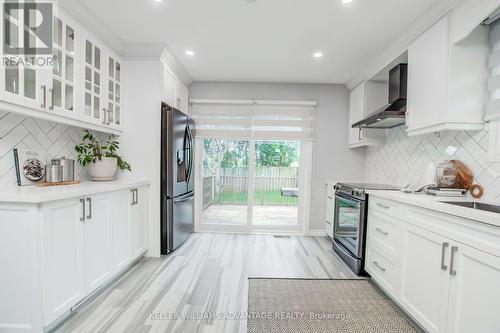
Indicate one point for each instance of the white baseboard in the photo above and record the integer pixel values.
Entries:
(316, 233)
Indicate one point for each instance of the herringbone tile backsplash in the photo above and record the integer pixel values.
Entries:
(404, 159)
(54, 139)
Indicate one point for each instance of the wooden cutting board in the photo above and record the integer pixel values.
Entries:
(73, 182)
(464, 175)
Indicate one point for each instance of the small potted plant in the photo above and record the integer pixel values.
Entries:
(100, 160)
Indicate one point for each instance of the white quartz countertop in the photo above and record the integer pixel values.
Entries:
(436, 203)
(34, 194)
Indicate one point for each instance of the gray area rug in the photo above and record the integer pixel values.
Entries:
(303, 305)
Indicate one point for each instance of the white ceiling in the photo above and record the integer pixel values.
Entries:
(267, 40)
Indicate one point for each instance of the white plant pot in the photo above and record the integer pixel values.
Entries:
(103, 170)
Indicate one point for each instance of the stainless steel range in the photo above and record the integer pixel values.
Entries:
(349, 229)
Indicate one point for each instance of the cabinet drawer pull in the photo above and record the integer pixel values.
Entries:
(443, 251)
(379, 267)
(454, 250)
(382, 206)
(82, 218)
(385, 233)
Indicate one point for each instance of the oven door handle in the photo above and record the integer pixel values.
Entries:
(351, 201)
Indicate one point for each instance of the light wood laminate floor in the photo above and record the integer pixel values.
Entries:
(206, 276)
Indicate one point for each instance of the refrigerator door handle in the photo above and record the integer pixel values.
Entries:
(184, 198)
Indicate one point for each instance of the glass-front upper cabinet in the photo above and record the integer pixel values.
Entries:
(114, 91)
(26, 64)
(93, 71)
(63, 74)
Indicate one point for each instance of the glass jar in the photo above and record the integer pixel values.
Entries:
(446, 175)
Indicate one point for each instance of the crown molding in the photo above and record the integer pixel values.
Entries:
(400, 45)
(176, 66)
(86, 18)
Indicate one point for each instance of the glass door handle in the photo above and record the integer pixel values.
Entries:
(105, 113)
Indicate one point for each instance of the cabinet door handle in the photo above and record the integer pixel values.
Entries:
(44, 97)
(383, 206)
(443, 252)
(51, 93)
(89, 200)
(359, 134)
(382, 231)
(109, 117)
(136, 196)
(454, 250)
(105, 113)
(379, 267)
(133, 197)
(82, 218)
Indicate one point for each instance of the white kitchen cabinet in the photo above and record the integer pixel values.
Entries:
(73, 87)
(468, 15)
(62, 256)
(330, 209)
(20, 285)
(358, 109)
(138, 221)
(446, 81)
(169, 85)
(54, 254)
(24, 83)
(182, 97)
(474, 293)
(121, 229)
(98, 241)
(174, 92)
(424, 285)
(442, 269)
(67, 54)
(113, 107)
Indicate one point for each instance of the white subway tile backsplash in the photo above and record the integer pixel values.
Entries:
(402, 159)
(54, 139)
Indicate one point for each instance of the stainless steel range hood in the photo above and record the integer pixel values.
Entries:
(392, 114)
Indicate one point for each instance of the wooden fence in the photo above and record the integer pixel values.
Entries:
(230, 186)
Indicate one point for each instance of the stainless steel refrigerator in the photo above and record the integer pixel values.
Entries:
(177, 186)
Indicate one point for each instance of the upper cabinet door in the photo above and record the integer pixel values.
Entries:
(63, 87)
(93, 66)
(169, 86)
(24, 83)
(114, 91)
(447, 82)
(427, 77)
(182, 97)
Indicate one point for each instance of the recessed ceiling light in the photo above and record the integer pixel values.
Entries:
(189, 53)
(318, 54)
(346, 1)
(157, 0)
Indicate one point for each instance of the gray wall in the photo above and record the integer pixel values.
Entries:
(332, 160)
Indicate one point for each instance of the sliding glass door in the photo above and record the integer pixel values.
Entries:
(276, 188)
(232, 169)
(225, 181)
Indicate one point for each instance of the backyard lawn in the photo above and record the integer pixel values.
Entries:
(260, 198)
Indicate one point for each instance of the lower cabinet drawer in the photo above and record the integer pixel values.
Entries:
(385, 232)
(381, 269)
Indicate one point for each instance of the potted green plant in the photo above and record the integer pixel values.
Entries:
(101, 160)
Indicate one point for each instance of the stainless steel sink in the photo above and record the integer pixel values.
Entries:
(475, 205)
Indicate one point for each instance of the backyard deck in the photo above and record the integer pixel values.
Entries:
(268, 216)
